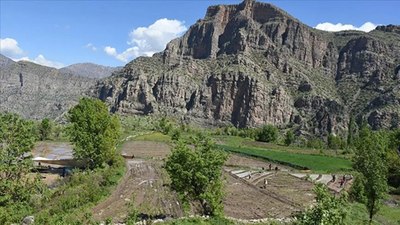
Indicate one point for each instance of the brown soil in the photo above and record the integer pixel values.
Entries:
(248, 199)
(252, 163)
(143, 182)
(244, 199)
(146, 149)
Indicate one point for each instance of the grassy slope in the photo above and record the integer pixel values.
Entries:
(299, 158)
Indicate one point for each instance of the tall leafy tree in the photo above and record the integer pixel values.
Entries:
(196, 174)
(45, 129)
(17, 138)
(94, 132)
(370, 161)
(351, 131)
(328, 209)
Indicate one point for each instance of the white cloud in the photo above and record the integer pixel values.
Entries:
(91, 47)
(9, 47)
(110, 51)
(366, 27)
(41, 60)
(145, 41)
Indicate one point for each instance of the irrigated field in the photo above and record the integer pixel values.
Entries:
(318, 163)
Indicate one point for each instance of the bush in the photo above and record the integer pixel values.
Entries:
(334, 142)
(315, 143)
(357, 191)
(267, 133)
(328, 210)
(289, 138)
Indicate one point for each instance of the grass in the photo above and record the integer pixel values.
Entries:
(154, 136)
(317, 163)
(240, 141)
(386, 215)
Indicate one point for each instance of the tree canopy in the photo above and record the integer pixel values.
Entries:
(196, 174)
(370, 161)
(94, 132)
(328, 210)
(17, 138)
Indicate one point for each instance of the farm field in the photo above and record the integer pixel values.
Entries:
(316, 163)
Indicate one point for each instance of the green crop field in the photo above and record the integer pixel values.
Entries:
(318, 163)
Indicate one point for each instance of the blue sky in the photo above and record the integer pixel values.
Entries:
(60, 33)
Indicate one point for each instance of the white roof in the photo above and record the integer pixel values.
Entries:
(40, 159)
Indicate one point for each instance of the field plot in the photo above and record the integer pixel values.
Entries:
(146, 149)
(282, 196)
(246, 197)
(143, 183)
(296, 160)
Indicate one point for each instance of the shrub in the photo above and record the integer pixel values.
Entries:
(289, 138)
(315, 143)
(267, 133)
(334, 142)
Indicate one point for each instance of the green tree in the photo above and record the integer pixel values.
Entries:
(17, 138)
(94, 132)
(357, 190)
(370, 161)
(328, 210)
(45, 129)
(267, 133)
(351, 131)
(334, 142)
(164, 125)
(196, 174)
(289, 138)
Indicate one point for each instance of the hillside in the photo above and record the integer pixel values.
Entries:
(89, 70)
(36, 91)
(252, 63)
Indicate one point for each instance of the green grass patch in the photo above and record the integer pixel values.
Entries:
(248, 142)
(317, 163)
(154, 136)
(357, 215)
(71, 202)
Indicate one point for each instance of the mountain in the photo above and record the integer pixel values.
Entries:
(89, 70)
(252, 63)
(5, 62)
(36, 91)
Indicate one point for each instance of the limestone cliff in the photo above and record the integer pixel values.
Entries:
(252, 63)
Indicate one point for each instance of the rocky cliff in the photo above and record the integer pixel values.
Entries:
(252, 63)
(36, 91)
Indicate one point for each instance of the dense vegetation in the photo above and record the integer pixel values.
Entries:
(196, 174)
(194, 166)
(94, 132)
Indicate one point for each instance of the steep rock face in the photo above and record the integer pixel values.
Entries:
(36, 92)
(252, 63)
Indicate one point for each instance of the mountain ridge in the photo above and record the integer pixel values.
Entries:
(251, 64)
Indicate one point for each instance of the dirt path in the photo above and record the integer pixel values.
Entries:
(143, 182)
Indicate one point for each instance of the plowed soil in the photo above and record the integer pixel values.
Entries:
(145, 180)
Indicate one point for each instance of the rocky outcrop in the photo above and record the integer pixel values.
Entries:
(252, 63)
(36, 91)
